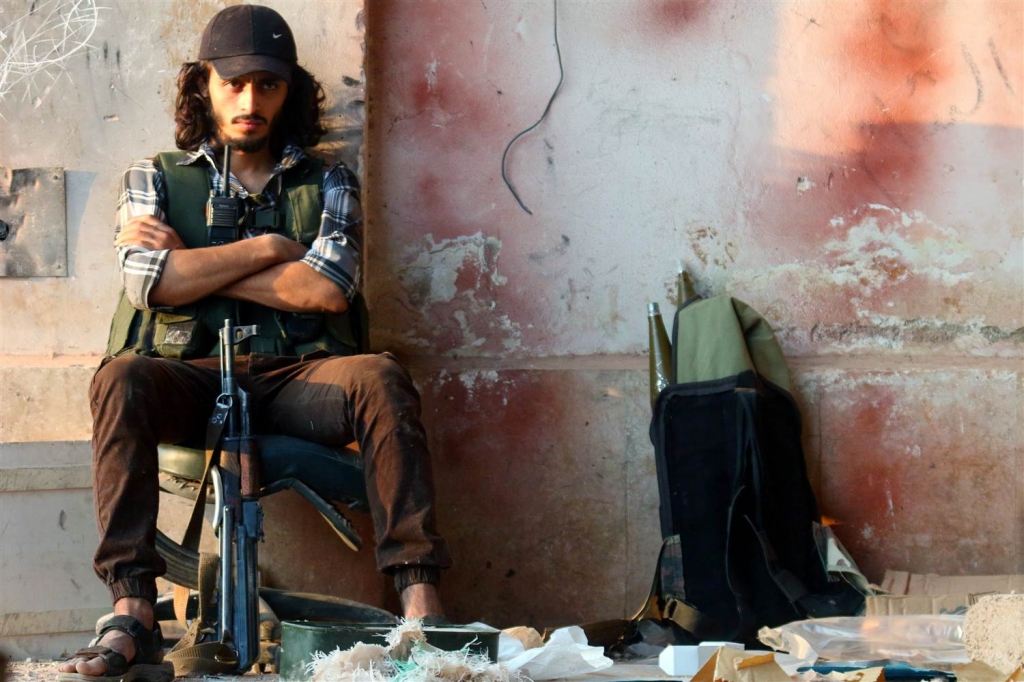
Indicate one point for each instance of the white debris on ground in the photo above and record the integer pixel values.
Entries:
(407, 658)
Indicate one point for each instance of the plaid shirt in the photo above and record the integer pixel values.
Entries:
(334, 254)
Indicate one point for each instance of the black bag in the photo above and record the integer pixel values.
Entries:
(738, 515)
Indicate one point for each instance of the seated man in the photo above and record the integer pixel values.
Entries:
(294, 271)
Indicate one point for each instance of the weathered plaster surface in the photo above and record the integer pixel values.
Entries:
(840, 166)
(853, 170)
(921, 469)
(545, 488)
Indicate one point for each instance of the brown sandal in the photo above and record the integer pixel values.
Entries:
(147, 665)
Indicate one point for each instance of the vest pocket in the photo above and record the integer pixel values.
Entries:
(179, 335)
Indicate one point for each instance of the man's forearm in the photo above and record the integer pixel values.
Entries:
(293, 287)
(192, 274)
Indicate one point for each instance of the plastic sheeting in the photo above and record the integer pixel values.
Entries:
(921, 640)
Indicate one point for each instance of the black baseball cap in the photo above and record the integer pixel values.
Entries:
(246, 38)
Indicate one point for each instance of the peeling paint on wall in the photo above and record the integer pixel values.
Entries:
(450, 287)
(885, 277)
(434, 273)
(795, 202)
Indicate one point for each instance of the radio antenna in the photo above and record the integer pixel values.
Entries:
(227, 170)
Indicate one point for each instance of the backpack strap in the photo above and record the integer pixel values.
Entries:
(685, 616)
(673, 609)
(790, 585)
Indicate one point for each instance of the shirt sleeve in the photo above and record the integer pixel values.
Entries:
(335, 254)
(142, 193)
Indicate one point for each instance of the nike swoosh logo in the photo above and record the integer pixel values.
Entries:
(277, 35)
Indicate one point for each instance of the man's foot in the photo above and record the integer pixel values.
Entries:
(121, 642)
(420, 600)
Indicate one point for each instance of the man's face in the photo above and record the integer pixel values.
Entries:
(245, 108)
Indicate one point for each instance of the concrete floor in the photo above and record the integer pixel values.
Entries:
(46, 671)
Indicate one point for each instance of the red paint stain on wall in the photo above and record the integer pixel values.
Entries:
(442, 108)
(675, 15)
(908, 479)
(423, 94)
(899, 56)
(454, 83)
(901, 41)
(884, 115)
(527, 481)
(862, 489)
(887, 165)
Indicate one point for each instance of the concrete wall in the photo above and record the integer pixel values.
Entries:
(110, 104)
(852, 170)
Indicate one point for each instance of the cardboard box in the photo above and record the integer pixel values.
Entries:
(733, 665)
(916, 593)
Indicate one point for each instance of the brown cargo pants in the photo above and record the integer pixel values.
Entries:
(138, 402)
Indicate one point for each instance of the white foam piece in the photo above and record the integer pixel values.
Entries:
(679, 661)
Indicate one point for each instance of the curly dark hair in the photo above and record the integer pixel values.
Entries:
(300, 120)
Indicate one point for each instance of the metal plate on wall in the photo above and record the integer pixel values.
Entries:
(32, 206)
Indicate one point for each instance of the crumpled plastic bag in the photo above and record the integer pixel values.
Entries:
(566, 654)
(921, 640)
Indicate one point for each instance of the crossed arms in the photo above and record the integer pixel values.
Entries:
(264, 269)
(158, 271)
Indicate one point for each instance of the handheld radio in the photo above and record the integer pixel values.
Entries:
(225, 212)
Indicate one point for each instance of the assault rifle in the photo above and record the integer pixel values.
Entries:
(239, 519)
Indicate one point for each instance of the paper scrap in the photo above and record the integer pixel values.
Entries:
(566, 654)
(530, 638)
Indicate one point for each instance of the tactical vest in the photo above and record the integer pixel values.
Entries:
(190, 331)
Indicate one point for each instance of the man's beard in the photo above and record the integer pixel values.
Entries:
(246, 144)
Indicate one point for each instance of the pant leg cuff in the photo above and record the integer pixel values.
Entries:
(138, 588)
(411, 575)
